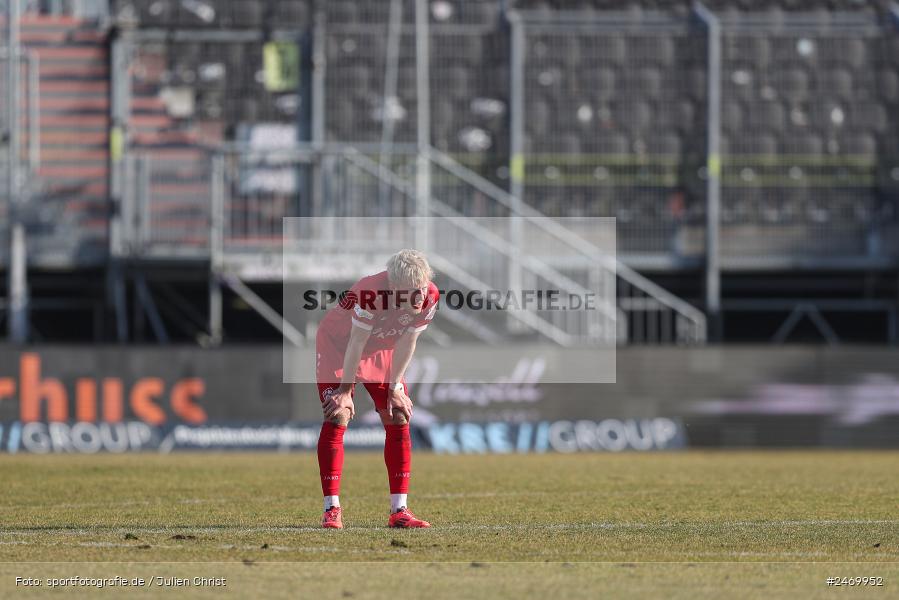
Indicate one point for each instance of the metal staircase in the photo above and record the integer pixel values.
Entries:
(514, 248)
(363, 207)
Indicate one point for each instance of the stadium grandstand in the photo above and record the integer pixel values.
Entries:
(748, 150)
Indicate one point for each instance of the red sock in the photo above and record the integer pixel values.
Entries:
(398, 457)
(330, 457)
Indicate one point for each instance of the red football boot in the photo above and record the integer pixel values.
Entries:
(332, 518)
(404, 518)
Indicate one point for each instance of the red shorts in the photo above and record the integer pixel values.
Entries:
(373, 373)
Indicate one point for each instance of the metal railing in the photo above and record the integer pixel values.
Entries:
(647, 312)
(25, 119)
(165, 208)
(6, 118)
(344, 187)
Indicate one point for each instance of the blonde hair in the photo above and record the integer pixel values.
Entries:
(409, 267)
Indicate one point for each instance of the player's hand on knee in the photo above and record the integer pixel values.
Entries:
(337, 403)
(399, 405)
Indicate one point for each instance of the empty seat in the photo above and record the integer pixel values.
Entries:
(569, 143)
(600, 82)
(695, 83)
(606, 49)
(888, 85)
(246, 13)
(740, 205)
(342, 12)
(633, 116)
(766, 115)
(849, 52)
(663, 143)
(292, 14)
(677, 114)
(835, 83)
(732, 117)
(752, 50)
(456, 48)
(608, 143)
(755, 143)
(870, 116)
(458, 82)
(479, 12)
(808, 144)
(537, 115)
(859, 144)
(354, 47)
(645, 82)
(657, 49)
(792, 84)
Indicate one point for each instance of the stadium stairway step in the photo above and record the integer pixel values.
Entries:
(73, 111)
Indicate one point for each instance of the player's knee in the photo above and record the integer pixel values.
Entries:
(341, 417)
(398, 418)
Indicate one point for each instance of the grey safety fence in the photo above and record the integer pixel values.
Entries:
(5, 138)
(180, 96)
(166, 206)
(370, 87)
(582, 248)
(182, 206)
(19, 123)
(810, 171)
(611, 115)
(210, 15)
(242, 195)
(609, 119)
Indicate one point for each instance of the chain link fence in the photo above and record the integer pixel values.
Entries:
(370, 87)
(809, 168)
(613, 124)
(213, 14)
(191, 96)
(4, 120)
(614, 119)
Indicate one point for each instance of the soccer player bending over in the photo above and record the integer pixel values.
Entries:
(369, 337)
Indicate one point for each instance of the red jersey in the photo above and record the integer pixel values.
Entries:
(371, 305)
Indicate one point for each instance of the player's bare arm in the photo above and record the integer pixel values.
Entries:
(400, 406)
(340, 405)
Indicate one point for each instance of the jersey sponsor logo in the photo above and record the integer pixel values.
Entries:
(382, 332)
(362, 313)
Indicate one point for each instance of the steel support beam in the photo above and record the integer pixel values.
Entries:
(18, 267)
(713, 173)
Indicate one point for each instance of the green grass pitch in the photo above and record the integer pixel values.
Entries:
(690, 524)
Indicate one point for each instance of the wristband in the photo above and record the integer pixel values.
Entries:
(397, 387)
